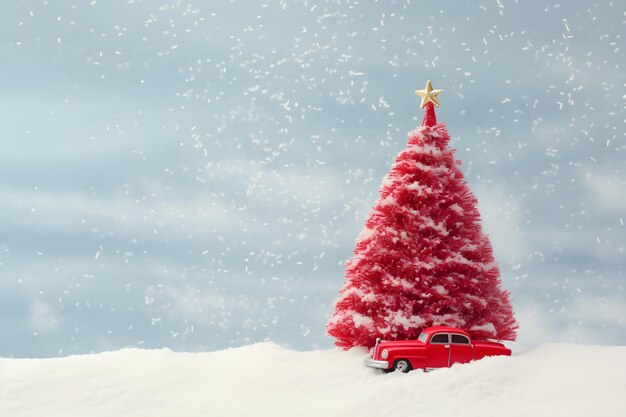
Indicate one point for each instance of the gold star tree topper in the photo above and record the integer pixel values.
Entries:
(428, 94)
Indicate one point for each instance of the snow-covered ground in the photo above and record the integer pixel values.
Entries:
(267, 380)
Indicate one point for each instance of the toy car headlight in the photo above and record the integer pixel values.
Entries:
(384, 354)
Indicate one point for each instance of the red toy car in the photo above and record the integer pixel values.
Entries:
(436, 347)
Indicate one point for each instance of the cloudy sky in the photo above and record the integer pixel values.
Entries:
(193, 175)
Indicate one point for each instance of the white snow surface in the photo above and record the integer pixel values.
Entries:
(268, 380)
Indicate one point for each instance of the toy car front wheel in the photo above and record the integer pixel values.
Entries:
(402, 365)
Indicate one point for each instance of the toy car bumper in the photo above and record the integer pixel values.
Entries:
(376, 364)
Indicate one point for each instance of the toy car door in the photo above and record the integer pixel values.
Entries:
(461, 350)
(438, 351)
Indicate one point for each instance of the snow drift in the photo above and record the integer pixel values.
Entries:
(267, 380)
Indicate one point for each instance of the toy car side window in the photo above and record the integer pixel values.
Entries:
(460, 339)
(440, 338)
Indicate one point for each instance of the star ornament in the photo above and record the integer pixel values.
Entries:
(428, 94)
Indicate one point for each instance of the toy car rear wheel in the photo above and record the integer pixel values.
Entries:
(402, 365)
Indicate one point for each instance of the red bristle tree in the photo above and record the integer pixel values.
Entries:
(422, 258)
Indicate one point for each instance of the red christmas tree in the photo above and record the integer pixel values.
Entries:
(422, 259)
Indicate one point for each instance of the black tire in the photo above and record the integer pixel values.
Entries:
(402, 365)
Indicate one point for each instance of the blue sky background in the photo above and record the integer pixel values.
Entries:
(193, 175)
